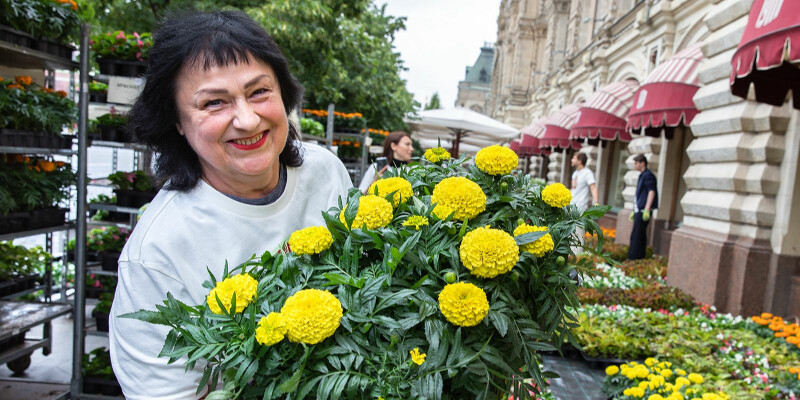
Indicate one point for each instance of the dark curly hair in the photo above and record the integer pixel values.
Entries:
(208, 39)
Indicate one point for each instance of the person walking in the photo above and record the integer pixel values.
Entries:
(645, 201)
(583, 183)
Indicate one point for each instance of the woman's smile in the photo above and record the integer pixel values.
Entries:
(251, 143)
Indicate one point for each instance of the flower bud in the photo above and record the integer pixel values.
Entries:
(560, 260)
(503, 186)
(452, 230)
(450, 277)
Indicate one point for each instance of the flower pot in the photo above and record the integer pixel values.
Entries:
(113, 133)
(91, 256)
(98, 385)
(57, 49)
(132, 198)
(101, 319)
(113, 66)
(109, 260)
(46, 217)
(98, 97)
(14, 222)
(14, 36)
(94, 293)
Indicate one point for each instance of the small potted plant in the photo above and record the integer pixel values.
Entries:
(134, 189)
(121, 54)
(34, 116)
(96, 285)
(98, 92)
(98, 377)
(112, 127)
(31, 190)
(47, 26)
(108, 242)
(101, 311)
(20, 267)
(103, 215)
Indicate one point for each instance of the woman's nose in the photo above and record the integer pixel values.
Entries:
(245, 118)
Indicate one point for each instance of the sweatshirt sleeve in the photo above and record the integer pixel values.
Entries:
(369, 176)
(135, 344)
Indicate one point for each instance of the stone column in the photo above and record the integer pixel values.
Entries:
(554, 167)
(722, 253)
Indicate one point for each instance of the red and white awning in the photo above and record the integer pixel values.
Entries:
(530, 134)
(603, 115)
(769, 53)
(514, 145)
(557, 126)
(664, 101)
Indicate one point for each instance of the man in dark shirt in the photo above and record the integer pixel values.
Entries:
(645, 201)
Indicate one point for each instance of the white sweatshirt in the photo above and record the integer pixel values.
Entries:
(182, 233)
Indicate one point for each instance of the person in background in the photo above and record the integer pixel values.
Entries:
(397, 151)
(583, 183)
(645, 201)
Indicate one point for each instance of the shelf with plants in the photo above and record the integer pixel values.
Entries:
(22, 269)
(103, 248)
(98, 377)
(121, 54)
(33, 117)
(16, 319)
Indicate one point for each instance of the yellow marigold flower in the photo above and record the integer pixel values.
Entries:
(682, 381)
(637, 392)
(655, 397)
(695, 378)
(675, 396)
(556, 195)
(311, 240)
(496, 160)
(270, 329)
(642, 372)
(311, 315)
(541, 246)
(373, 212)
(463, 304)
(612, 370)
(243, 285)
(666, 373)
(488, 252)
(459, 195)
(417, 221)
(417, 357)
(650, 361)
(436, 155)
(400, 186)
(680, 372)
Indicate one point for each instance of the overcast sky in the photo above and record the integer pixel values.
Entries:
(441, 39)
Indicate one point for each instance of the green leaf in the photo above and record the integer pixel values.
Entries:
(529, 237)
(152, 317)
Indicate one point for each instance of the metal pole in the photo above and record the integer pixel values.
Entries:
(329, 127)
(79, 309)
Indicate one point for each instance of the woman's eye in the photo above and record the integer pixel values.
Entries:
(212, 103)
(260, 92)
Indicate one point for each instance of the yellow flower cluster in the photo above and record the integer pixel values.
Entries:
(436, 155)
(271, 329)
(311, 315)
(399, 186)
(417, 357)
(373, 212)
(556, 195)
(488, 252)
(496, 160)
(311, 240)
(459, 195)
(463, 304)
(541, 246)
(657, 381)
(417, 221)
(242, 285)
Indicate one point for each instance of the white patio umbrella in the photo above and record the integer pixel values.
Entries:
(431, 143)
(461, 125)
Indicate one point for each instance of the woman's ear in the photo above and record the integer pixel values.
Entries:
(178, 127)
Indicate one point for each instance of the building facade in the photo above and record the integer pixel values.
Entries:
(728, 213)
(473, 91)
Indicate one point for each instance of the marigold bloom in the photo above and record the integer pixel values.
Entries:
(556, 195)
(15, 86)
(463, 304)
(612, 370)
(399, 186)
(271, 329)
(488, 252)
(540, 246)
(24, 80)
(417, 221)
(496, 160)
(61, 93)
(695, 378)
(373, 212)
(417, 357)
(242, 285)
(459, 195)
(311, 240)
(311, 315)
(437, 154)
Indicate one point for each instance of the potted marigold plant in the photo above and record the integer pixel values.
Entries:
(444, 282)
(47, 26)
(31, 190)
(34, 116)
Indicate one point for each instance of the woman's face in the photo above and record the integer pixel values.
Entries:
(403, 149)
(234, 119)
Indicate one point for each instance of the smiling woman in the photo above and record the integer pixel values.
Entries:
(215, 108)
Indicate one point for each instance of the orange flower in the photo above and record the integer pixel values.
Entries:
(793, 340)
(766, 315)
(794, 370)
(46, 166)
(48, 90)
(24, 80)
(73, 4)
(15, 86)
(61, 93)
(60, 164)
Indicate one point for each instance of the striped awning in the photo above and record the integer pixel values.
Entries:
(529, 138)
(603, 115)
(557, 126)
(514, 145)
(664, 101)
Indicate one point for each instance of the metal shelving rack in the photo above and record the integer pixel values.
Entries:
(17, 317)
(355, 169)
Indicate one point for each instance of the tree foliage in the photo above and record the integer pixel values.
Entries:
(433, 103)
(340, 50)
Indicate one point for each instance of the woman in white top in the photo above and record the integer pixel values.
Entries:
(214, 107)
(397, 151)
